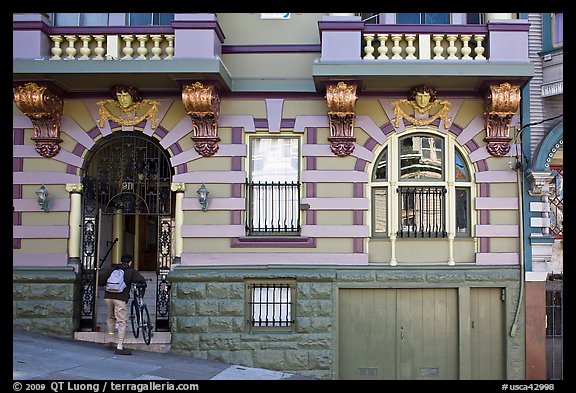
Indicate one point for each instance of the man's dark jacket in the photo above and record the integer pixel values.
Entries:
(131, 275)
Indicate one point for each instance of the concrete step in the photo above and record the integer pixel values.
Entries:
(160, 340)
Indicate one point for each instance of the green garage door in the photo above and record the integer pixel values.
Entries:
(398, 333)
(487, 333)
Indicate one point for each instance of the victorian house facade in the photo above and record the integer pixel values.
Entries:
(328, 194)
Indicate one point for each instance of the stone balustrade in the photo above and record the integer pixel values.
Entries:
(431, 45)
(112, 47)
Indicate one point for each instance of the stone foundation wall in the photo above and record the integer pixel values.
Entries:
(45, 300)
(208, 312)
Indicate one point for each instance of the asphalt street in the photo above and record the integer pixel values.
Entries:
(45, 357)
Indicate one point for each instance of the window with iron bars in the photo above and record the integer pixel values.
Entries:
(422, 212)
(273, 207)
(270, 305)
(273, 187)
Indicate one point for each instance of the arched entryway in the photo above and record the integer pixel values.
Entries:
(127, 208)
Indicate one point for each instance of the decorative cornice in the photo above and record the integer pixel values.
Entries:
(74, 188)
(178, 187)
(341, 102)
(44, 109)
(540, 183)
(500, 104)
(203, 105)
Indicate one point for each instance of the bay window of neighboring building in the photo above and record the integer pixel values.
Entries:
(149, 19)
(273, 186)
(103, 19)
(80, 19)
(422, 18)
(424, 180)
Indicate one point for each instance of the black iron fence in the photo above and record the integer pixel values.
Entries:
(273, 207)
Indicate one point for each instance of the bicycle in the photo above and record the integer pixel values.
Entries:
(139, 315)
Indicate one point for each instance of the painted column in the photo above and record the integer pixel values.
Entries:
(75, 222)
(118, 232)
(136, 256)
(179, 189)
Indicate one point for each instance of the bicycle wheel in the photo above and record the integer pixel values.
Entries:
(146, 325)
(135, 319)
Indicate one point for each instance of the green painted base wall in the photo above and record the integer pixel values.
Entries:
(45, 300)
(208, 318)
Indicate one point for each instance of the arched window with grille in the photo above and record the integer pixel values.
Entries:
(419, 177)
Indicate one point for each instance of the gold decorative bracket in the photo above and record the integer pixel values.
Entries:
(341, 101)
(421, 100)
(500, 104)
(203, 105)
(44, 109)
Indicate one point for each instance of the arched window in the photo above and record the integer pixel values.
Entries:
(421, 188)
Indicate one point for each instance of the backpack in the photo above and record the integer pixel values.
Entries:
(115, 282)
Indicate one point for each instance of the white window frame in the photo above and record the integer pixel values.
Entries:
(393, 181)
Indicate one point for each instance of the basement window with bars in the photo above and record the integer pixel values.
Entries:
(270, 305)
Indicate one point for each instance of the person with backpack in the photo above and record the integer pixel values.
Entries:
(118, 281)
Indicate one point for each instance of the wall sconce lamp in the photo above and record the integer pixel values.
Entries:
(42, 198)
(203, 197)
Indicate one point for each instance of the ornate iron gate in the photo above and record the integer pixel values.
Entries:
(126, 175)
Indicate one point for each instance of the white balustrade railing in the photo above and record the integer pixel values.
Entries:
(113, 47)
(423, 46)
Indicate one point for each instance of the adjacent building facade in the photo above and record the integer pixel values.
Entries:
(335, 195)
(543, 168)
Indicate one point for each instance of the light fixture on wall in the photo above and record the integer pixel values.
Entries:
(203, 197)
(42, 198)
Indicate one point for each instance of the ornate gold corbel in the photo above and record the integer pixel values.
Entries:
(341, 101)
(500, 104)
(45, 110)
(203, 105)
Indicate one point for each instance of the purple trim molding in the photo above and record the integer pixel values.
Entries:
(94, 133)
(236, 217)
(370, 144)
(503, 26)
(276, 48)
(425, 29)
(40, 259)
(484, 217)
(358, 245)
(96, 30)
(340, 25)
(497, 258)
(358, 190)
(200, 25)
(283, 242)
(17, 166)
(272, 258)
(237, 135)
(387, 128)
(484, 244)
(455, 129)
(261, 123)
(360, 164)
